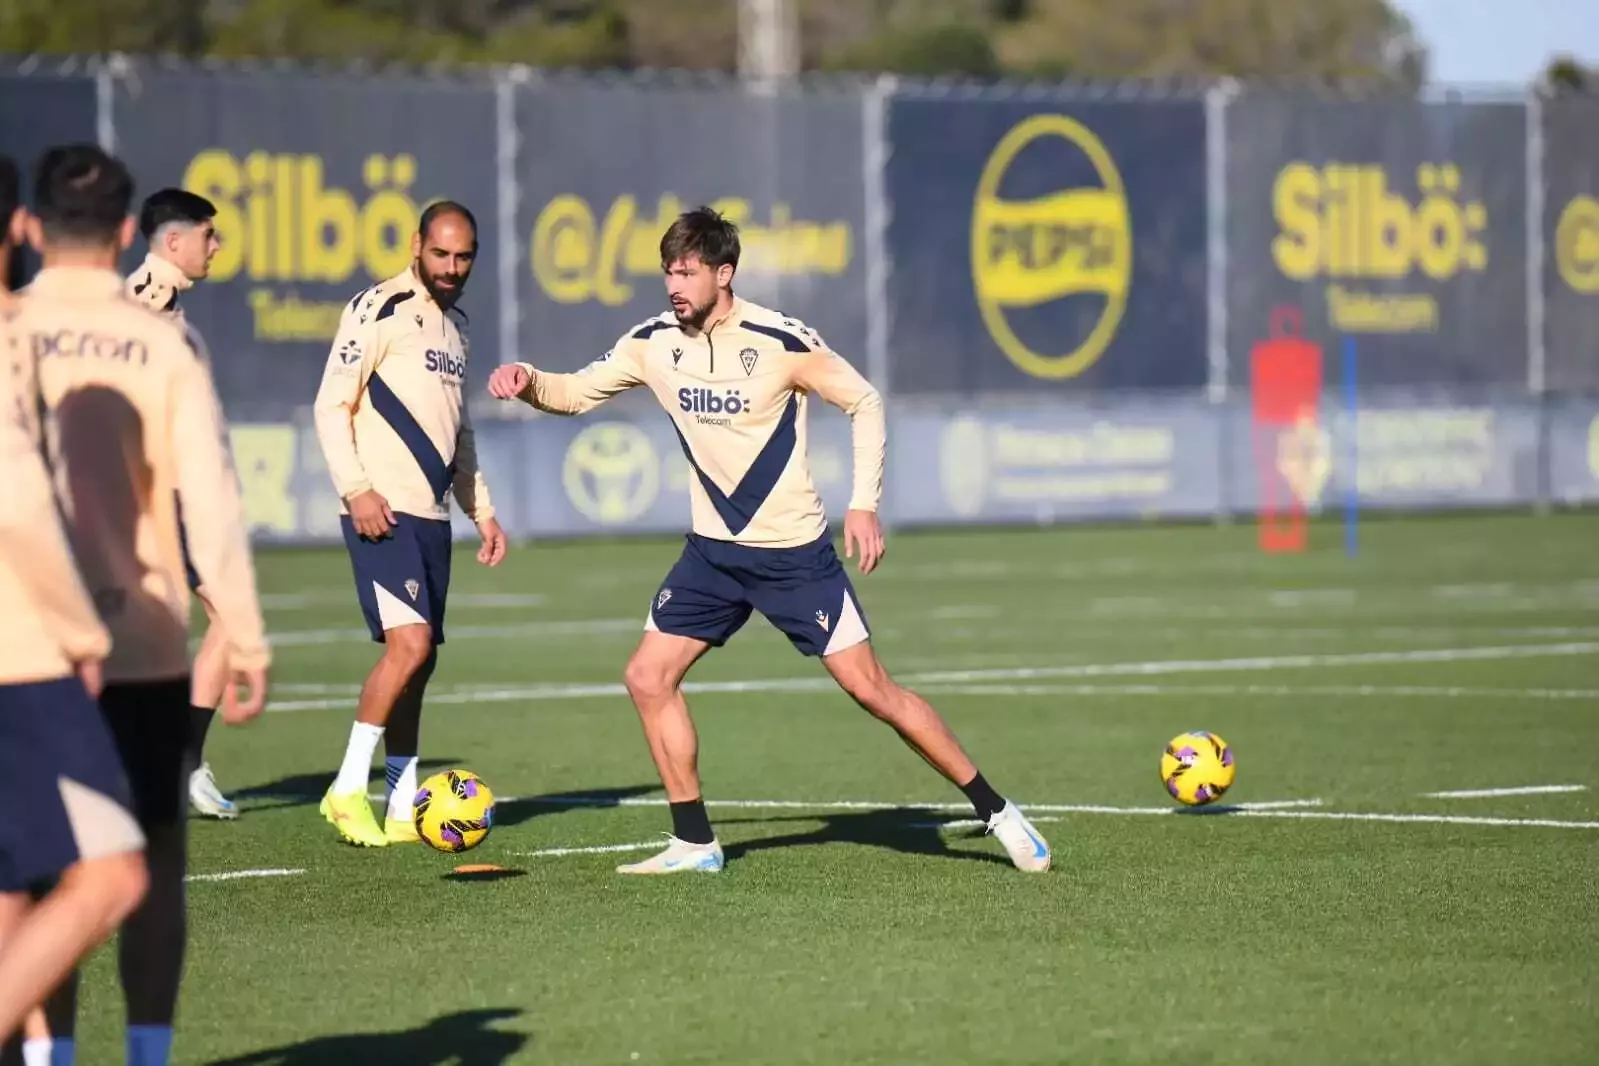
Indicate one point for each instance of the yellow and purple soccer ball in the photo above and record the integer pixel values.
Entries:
(454, 810)
(1197, 768)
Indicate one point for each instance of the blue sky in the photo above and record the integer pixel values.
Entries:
(1502, 41)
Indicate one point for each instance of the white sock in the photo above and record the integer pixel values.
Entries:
(149, 1045)
(357, 765)
(36, 1051)
(401, 771)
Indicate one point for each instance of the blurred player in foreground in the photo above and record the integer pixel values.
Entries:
(67, 837)
(136, 431)
(180, 230)
(394, 429)
(735, 379)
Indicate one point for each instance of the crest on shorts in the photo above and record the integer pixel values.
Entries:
(660, 601)
(823, 620)
(748, 357)
(412, 587)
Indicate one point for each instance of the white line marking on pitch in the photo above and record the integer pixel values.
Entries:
(1279, 809)
(1157, 667)
(581, 627)
(1490, 793)
(596, 850)
(862, 805)
(1360, 691)
(234, 875)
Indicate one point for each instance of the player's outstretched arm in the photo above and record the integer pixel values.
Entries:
(213, 509)
(830, 376)
(616, 371)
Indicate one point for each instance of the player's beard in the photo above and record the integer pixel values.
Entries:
(697, 314)
(444, 297)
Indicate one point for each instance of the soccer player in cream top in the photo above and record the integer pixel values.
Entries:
(135, 431)
(394, 429)
(73, 838)
(736, 379)
(180, 228)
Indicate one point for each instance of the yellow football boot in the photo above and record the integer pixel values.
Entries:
(352, 816)
(401, 831)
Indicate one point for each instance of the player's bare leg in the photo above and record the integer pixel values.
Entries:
(407, 651)
(89, 901)
(654, 679)
(207, 683)
(402, 738)
(861, 674)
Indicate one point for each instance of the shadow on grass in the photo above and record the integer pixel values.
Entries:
(498, 873)
(460, 1039)
(891, 829)
(302, 790)
(519, 809)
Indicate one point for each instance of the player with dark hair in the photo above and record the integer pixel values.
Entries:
(179, 227)
(181, 231)
(71, 862)
(137, 432)
(736, 379)
(393, 424)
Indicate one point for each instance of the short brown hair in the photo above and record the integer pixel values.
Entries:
(702, 233)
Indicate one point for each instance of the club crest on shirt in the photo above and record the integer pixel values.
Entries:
(748, 357)
(412, 587)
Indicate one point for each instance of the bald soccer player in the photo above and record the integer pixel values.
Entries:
(136, 433)
(392, 420)
(736, 380)
(71, 855)
(179, 228)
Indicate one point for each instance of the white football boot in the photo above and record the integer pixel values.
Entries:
(680, 857)
(206, 798)
(1028, 850)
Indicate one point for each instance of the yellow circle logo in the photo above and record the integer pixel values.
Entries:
(611, 473)
(1077, 241)
(1577, 245)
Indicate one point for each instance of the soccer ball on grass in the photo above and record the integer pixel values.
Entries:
(454, 810)
(1197, 768)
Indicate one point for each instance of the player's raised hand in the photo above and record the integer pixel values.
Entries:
(494, 542)
(370, 514)
(238, 708)
(509, 381)
(863, 531)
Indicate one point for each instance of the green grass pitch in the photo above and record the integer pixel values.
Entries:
(1355, 918)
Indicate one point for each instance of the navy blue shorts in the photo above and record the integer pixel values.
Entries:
(804, 592)
(68, 796)
(404, 578)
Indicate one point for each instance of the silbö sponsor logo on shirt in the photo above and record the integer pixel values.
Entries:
(712, 407)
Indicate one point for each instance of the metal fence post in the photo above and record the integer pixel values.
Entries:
(875, 153)
(1537, 350)
(506, 145)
